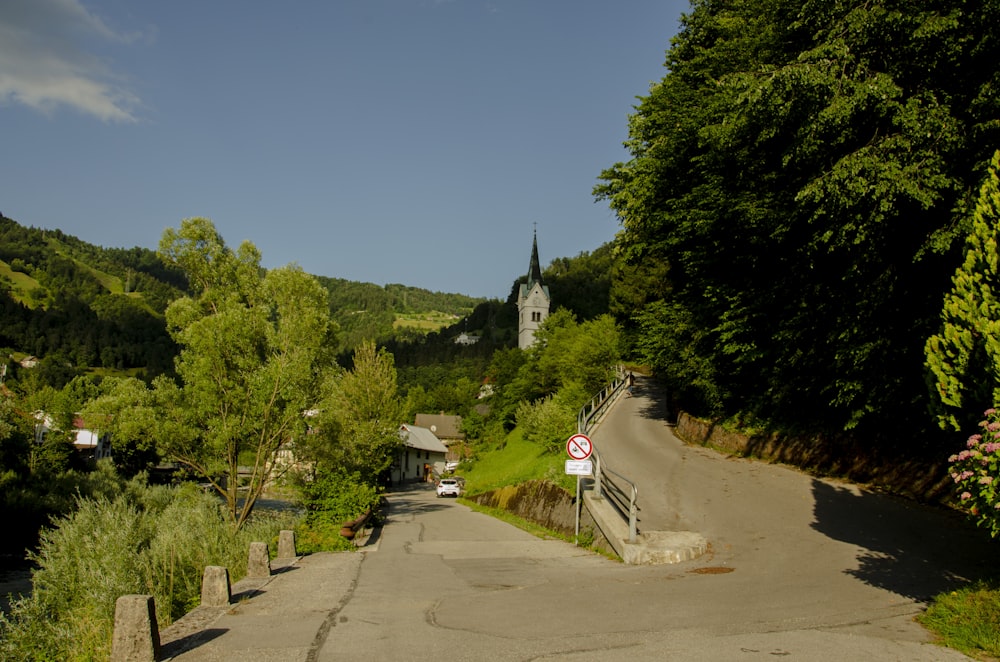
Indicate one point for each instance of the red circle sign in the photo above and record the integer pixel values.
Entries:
(579, 447)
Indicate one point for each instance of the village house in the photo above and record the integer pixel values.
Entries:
(91, 444)
(448, 429)
(422, 457)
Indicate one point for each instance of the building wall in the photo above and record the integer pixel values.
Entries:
(410, 465)
(532, 308)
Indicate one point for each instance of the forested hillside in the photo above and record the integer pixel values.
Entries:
(801, 185)
(67, 301)
(77, 306)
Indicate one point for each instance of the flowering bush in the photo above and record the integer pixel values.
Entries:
(976, 472)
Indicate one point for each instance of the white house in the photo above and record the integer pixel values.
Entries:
(422, 456)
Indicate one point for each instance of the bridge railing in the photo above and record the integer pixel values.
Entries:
(621, 492)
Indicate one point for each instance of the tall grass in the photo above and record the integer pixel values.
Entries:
(147, 540)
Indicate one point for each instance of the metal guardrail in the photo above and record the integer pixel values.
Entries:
(621, 492)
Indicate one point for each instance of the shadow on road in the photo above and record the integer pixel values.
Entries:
(656, 405)
(412, 499)
(913, 550)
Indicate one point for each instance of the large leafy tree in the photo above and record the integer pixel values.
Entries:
(356, 424)
(798, 179)
(964, 357)
(254, 349)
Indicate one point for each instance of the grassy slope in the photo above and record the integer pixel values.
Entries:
(517, 462)
(23, 285)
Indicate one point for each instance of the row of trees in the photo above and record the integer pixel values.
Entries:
(800, 184)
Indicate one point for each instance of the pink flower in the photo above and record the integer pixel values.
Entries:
(965, 496)
(986, 480)
(973, 440)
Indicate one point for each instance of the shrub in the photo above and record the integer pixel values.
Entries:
(976, 472)
(548, 422)
(330, 500)
(148, 540)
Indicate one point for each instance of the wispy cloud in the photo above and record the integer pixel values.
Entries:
(46, 60)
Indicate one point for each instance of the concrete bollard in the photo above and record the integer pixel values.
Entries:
(136, 637)
(286, 545)
(215, 588)
(259, 565)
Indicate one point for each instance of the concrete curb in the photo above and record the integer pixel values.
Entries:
(651, 547)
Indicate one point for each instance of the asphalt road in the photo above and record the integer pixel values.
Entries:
(798, 568)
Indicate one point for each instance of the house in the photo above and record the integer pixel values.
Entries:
(466, 339)
(448, 429)
(91, 444)
(423, 455)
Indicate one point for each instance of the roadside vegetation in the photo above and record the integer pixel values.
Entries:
(126, 538)
(513, 462)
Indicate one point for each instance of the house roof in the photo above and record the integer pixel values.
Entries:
(420, 438)
(444, 426)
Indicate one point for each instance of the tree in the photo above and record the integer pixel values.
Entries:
(803, 171)
(357, 423)
(963, 359)
(254, 348)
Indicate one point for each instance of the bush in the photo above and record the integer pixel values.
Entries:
(548, 422)
(976, 472)
(147, 540)
(331, 500)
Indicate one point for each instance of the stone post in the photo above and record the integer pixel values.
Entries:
(259, 565)
(286, 545)
(215, 588)
(136, 636)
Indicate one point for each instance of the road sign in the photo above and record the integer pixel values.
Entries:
(579, 468)
(578, 447)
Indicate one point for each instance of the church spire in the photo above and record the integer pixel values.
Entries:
(534, 269)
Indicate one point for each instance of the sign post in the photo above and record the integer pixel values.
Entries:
(579, 447)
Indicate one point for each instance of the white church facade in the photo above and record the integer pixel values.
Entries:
(532, 301)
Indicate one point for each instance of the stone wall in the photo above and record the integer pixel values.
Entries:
(545, 504)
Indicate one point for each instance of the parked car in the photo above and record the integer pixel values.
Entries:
(449, 487)
(451, 465)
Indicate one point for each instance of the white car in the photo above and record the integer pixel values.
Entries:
(449, 487)
(451, 465)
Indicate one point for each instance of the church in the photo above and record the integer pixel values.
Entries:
(532, 301)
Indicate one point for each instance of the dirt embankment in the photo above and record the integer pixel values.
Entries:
(920, 479)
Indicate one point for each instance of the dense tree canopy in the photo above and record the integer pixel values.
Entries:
(798, 181)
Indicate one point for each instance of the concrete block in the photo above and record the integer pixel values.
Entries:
(286, 545)
(215, 588)
(258, 565)
(136, 636)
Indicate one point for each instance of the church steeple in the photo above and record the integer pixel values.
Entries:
(532, 300)
(534, 268)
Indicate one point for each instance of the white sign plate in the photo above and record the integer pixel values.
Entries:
(579, 467)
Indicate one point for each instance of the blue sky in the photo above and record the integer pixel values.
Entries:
(387, 141)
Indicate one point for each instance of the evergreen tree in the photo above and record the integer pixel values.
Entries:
(964, 358)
